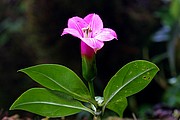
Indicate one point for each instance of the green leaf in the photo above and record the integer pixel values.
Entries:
(117, 105)
(130, 79)
(48, 103)
(60, 78)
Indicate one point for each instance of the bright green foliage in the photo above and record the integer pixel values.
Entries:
(129, 80)
(60, 78)
(117, 105)
(66, 89)
(48, 103)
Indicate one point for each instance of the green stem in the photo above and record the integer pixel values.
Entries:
(91, 88)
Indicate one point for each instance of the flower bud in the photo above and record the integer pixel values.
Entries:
(89, 70)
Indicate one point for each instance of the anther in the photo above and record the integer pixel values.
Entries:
(86, 31)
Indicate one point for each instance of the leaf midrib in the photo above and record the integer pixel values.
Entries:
(113, 94)
(59, 84)
(54, 104)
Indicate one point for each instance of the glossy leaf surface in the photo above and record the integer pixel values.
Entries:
(48, 103)
(117, 105)
(60, 78)
(130, 79)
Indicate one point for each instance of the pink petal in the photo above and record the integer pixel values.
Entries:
(71, 31)
(93, 43)
(95, 23)
(106, 34)
(88, 18)
(86, 50)
(77, 23)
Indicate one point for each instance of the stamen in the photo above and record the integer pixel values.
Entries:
(86, 31)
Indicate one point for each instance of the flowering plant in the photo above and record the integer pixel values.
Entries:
(65, 93)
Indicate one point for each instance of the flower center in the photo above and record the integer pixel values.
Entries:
(86, 32)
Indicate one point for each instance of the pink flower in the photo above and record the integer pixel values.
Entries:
(91, 32)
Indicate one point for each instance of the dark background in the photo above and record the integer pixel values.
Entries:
(30, 34)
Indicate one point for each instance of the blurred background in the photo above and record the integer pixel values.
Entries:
(147, 29)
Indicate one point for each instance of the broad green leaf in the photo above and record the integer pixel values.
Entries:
(60, 78)
(117, 105)
(130, 79)
(48, 103)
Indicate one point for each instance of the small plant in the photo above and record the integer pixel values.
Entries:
(65, 93)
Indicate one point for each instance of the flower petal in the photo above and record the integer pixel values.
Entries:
(93, 43)
(88, 18)
(86, 50)
(77, 23)
(106, 34)
(71, 31)
(95, 23)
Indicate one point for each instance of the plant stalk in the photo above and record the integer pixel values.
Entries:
(91, 88)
